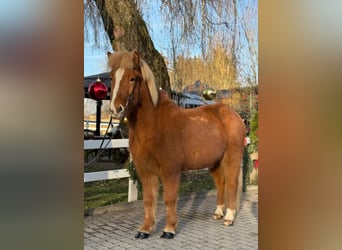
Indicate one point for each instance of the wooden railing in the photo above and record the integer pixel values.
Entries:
(111, 174)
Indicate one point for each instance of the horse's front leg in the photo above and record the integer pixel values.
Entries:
(150, 184)
(170, 187)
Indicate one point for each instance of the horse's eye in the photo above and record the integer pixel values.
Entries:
(132, 79)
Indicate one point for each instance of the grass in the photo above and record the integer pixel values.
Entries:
(196, 181)
(107, 192)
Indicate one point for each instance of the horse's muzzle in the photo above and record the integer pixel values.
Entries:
(118, 113)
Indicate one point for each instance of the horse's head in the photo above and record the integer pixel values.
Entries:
(127, 71)
(125, 91)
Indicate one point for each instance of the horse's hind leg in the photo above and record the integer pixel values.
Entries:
(170, 188)
(232, 173)
(150, 184)
(218, 177)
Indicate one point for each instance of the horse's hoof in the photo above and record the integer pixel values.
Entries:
(167, 235)
(228, 222)
(217, 216)
(141, 235)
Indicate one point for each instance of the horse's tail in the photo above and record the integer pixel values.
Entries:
(239, 191)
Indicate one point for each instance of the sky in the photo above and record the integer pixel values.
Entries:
(95, 57)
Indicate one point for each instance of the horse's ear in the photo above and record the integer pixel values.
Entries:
(108, 54)
(136, 59)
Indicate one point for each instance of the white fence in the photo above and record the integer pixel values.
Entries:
(88, 124)
(111, 174)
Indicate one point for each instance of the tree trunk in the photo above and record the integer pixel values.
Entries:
(127, 31)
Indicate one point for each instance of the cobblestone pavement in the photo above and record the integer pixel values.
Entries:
(114, 227)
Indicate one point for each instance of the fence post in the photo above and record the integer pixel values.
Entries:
(132, 191)
(132, 187)
(112, 174)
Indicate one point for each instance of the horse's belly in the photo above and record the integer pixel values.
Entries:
(198, 159)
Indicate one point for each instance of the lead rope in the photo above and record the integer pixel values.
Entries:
(101, 150)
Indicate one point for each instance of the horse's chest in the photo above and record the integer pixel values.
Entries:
(140, 148)
(145, 157)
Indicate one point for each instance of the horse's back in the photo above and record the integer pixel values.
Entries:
(220, 115)
(203, 134)
(226, 122)
(231, 120)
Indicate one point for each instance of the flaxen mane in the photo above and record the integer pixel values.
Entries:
(124, 60)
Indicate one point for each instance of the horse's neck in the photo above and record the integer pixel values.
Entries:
(145, 116)
(144, 109)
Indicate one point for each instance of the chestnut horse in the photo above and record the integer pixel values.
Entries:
(165, 139)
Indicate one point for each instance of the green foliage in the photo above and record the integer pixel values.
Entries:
(132, 172)
(253, 146)
(247, 167)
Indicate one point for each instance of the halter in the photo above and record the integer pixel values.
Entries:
(128, 102)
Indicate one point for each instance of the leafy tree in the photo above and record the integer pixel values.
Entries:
(218, 70)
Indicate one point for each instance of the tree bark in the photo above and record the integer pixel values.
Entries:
(127, 31)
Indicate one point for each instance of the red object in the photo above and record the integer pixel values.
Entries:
(163, 92)
(256, 164)
(98, 90)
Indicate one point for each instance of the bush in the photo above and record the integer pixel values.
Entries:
(253, 146)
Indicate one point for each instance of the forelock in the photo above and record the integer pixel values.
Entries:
(121, 59)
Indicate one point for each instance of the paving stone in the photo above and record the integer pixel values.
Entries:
(196, 229)
(88, 248)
